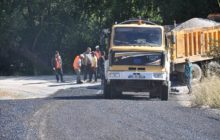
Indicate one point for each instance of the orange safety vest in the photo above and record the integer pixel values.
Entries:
(76, 62)
(58, 62)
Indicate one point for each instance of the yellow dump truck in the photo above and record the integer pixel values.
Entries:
(138, 60)
(193, 42)
(142, 55)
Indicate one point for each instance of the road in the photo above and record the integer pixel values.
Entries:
(82, 114)
(31, 87)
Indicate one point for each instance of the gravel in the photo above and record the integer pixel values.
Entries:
(81, 113)
(196, 23)
(14, 117)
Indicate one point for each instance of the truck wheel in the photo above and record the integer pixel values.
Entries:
(119, 93)
(152, 95)
(164, 92)
(113, 92)
(196, 73)
(106, 90)
(155, 94)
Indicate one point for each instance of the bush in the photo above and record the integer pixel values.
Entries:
(207, 93)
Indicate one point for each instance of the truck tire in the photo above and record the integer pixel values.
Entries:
(152, 95)
(155, 94)
(114, 93)
(106, 90)
(164, 93)
(118, 93)
(196, 73)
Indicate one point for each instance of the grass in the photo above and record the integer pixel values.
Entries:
(207, 93)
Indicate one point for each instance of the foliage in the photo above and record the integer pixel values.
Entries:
(207, 93)
(31, 30)
(182, 10)
(214, 50)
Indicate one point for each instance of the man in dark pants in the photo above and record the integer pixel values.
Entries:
(102, 67)
(93, 69)
(101, 64)
(87, 63)
(57, 66)
(98, 56)
(188, 74)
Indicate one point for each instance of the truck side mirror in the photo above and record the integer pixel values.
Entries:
(104, 37)
(173, 37)
(166, 41)
(163, 59)
(110, 55)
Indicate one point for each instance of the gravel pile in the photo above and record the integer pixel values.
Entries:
(196, 23)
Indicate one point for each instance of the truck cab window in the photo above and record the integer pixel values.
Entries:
(137, 36)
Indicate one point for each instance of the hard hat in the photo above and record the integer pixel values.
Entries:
(97, 47)
(81, 55)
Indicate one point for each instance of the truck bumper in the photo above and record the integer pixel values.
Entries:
(118, 75)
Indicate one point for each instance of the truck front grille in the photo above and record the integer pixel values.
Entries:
(134, 69)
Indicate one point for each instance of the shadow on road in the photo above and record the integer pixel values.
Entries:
(97, 87)
(101, 97)
(53, 85)
(37, 83)
(95, 93)
(134, 97)
(79, 97)
(61, 84)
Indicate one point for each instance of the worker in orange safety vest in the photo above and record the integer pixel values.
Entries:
(77, 63)
(97, 52)
(57, 66)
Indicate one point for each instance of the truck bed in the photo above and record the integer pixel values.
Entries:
(194, 43)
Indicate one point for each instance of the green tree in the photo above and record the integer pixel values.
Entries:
(31, 30)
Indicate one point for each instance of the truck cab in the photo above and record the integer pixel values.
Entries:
(138, 60)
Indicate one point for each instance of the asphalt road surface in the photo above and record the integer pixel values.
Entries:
(83, 114)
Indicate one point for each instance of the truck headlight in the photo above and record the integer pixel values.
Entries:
(114, 75)
(158, 75)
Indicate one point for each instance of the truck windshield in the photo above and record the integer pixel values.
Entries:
(137, 58)
(137, 36)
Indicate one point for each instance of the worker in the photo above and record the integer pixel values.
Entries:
(97, 52)
(188, 74)
(98, 55)
(57, 66)
(93, 70)
(102, 67)
(87, 62)
(101, 64)
(77, 63)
